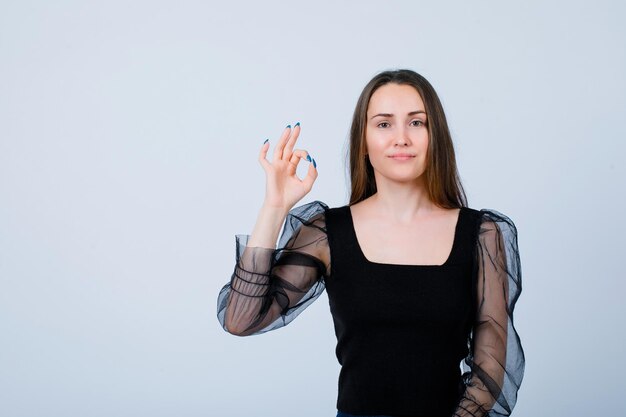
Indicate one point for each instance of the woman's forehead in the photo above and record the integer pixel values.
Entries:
(395, 99)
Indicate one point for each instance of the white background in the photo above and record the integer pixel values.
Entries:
(129, 132)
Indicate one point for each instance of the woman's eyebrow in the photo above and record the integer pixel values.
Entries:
(391, 115)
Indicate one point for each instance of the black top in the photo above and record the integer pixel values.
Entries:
(402, 331)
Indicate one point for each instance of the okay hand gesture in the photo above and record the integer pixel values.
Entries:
(283, 188)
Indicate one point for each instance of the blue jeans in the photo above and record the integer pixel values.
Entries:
(342, 414)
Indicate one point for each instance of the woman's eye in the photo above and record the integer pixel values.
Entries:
(383, 123)
(418, 121)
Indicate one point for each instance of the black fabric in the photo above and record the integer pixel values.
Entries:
(402, 330)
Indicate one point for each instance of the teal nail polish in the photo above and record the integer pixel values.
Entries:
(298, 124)
(314, 164)
(265, 141)
(288, 126)
(308, 158)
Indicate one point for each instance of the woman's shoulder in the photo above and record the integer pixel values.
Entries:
(493, 223)
(317, 206)
(319, 214)
(489, 214)
(315, 212)
(314, 206)
(318, 209)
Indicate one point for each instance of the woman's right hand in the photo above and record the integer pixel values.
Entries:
(283, 188)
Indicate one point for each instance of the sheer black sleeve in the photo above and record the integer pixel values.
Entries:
(270, 287)
(494, 367)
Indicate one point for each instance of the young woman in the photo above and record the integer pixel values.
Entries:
(419, 284)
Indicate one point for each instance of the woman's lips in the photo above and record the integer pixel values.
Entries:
(401, 157)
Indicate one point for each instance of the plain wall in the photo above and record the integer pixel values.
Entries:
(129, 136)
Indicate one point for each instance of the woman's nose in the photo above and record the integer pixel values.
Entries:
(402, 138)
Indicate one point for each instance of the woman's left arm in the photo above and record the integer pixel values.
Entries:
(495, 364)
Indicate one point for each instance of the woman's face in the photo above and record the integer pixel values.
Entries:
(396, 134)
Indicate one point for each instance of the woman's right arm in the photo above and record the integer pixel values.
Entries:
(268, 281)
(271, 287)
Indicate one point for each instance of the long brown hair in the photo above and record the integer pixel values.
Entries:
(442, 179)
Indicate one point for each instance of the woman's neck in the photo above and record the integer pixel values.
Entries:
(402, 203)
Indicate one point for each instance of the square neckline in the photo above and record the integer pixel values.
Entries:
(382, 264)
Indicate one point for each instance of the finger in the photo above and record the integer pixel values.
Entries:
(263, 155)
(311, 175)
(295, 159)
(278, 150)
(295, 132)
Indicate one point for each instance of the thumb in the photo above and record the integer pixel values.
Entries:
(311, 174)
(263, 156)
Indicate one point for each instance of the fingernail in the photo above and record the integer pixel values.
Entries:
(265, 141)
(297, 124)
(288, 126)
(314, 164)
(308, 158)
